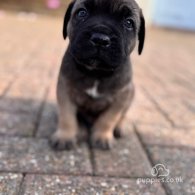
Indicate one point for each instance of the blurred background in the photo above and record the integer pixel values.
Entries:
(161, 120)
(52, 7)
(167, 13)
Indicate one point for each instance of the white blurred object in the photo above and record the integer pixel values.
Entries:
(178, 14)
(2, 13)
(147, 8)
(27, 16)
(174, 13)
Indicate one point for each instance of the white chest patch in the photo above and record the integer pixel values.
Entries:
(93, 92)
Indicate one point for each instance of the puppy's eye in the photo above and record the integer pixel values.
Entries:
(129, 23)
(82, 13)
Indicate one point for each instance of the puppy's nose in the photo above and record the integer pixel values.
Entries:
(100, 40)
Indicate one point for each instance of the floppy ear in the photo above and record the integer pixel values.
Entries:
(141, 33)
(67, 18)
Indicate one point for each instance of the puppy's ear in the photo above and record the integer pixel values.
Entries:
(67, 18)
(141, 33)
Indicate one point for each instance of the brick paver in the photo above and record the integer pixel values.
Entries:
(48, 120)
(180, 163)
(123, 160)
(49, 185)
(166, 136)
(161, 121)
(10, 183)
(35, 156)
(12, 124)
(143, 111)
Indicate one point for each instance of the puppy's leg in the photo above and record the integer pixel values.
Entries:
(120, 129)
(102, 132)
(65, 135)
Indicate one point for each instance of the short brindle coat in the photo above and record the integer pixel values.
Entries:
(95, 84)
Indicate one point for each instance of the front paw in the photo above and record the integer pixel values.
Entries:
(59, 141)
(102, 140)
(118, 133)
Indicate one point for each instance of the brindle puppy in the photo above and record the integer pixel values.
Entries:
(95, 79)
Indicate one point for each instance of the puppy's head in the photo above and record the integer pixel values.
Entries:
(103, 33)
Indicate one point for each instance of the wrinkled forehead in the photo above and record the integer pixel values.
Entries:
(110, 6)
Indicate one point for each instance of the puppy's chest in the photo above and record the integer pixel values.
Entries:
(92, 96)
(93, 91)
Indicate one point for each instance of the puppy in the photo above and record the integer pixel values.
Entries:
(95, 80)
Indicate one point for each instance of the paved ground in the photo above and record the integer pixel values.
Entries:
(161, 121)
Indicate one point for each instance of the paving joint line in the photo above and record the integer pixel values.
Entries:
(158, 107)
(152, 163)
(9, 85)
(92, 159)
(21, 186)
(76, 175)
(171, 147)
(40, 112)
(16, 76)
(43, 102)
